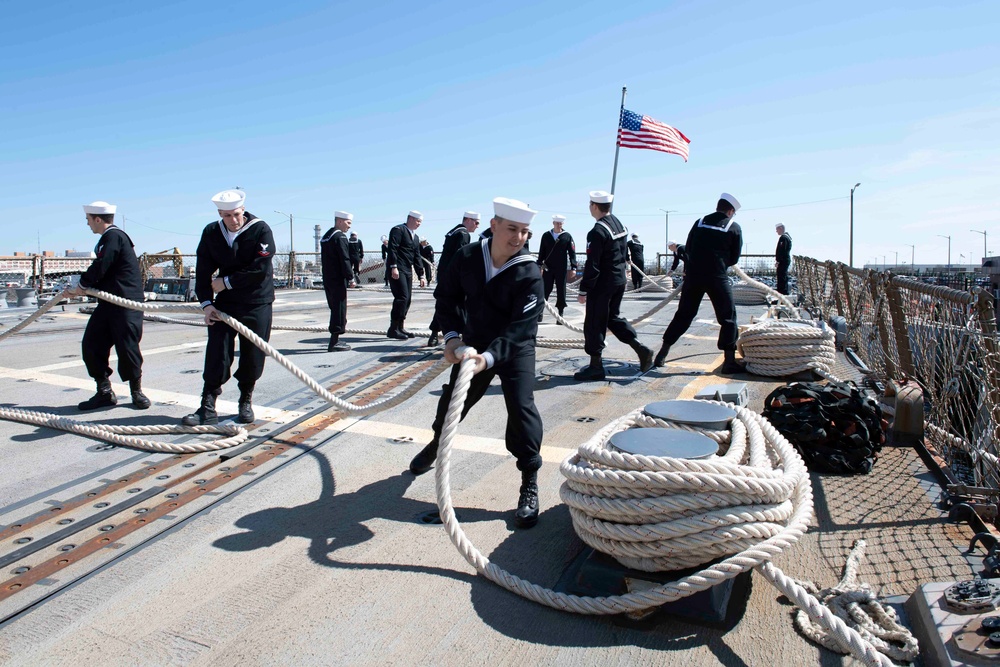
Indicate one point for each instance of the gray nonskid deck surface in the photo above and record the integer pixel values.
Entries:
(323, 561)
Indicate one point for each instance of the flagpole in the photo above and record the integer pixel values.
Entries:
(614, 173)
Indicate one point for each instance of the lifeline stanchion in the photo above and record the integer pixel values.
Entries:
(788, 476)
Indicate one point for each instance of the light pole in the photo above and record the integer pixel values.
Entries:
(291, 247)
(895, 267)
(949, 249)
(850, 260)
(666, 234)
(913, 252)
(984, 239)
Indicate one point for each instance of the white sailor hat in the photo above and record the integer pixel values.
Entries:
(779, 225)
(229, 200)
(343, 215)
(513, 210)
(670, 243)
(635, 236)
(731, 199)
(471, 215)
(559, 218)
(601, 197)
(385, 238)
(417, 215)
(100, 208)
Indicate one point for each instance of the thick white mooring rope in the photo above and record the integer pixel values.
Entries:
(759, 488)
(777, 348)
(236, 434)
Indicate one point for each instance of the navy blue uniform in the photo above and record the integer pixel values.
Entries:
(636, 257)
(713, 245)
(116, 271)
(556, 255)
(403, 254)
(337, 263)
(782, 260)
(603, 284)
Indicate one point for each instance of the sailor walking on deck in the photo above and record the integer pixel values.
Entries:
(557, 259)
(489, 297)
(356, 250)
(240, 247)
(713, 245)
(602, 289)
(782, 257)
(402, 259)
(116, 271)
(457, 237)
(636, 257)
(338, 275)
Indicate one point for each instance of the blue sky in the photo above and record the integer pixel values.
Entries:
(379, 108)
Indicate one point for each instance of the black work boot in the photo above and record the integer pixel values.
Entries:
(394, 331)
(526, 514)
(408, 334)
(336, 346)
(595, 371)
(424, 461)
(561, 311)
(433, 340)
(645, 356)
(206, 413)
(139, 400)
(661, 356)
(246, 415)
(104, 398)
(730, 366)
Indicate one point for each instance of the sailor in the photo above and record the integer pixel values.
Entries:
(713, 245)
(680, 255)
(636, 258)
(782, 257)
(116, 271)
(240, 247)
(357, 253)
(427, 252)
(337, 276)
(385, 254)
(557, 259)
(457, 237)
(403, 258)
(488, 298)
(602, 288)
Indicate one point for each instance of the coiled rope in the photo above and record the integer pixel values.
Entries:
(777, 348)
(759, 465)
(236, 434)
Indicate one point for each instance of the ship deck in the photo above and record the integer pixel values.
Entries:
(305, 546)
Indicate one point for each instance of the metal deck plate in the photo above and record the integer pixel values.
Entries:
(695, 413)
(664, 442)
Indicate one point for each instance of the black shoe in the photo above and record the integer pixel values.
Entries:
(245, 415)
(424, 461)
(645, 358)
(139, 400)
(206, 413)
(561, 311)
(526, 514)
(396, 334)
(408, 334)
(590, 374)
(338, 347)
(104, 398)
(433, 340)
(730, 366)
(661, 356)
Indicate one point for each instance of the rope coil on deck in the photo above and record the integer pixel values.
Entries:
(777, 348)
(759, 467)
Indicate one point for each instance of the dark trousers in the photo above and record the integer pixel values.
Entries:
(558, 279)
(402, 290)
(782, 270)
(356, 265)
(523, 436)
(636, 278)
(113, 326)
(602, 315)
(221, 346)
(336, 299)
(721, 295)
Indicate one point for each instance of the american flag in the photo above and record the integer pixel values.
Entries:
(637, 131)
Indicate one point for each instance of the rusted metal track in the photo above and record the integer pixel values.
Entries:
(46, 551)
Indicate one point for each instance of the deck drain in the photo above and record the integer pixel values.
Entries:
(586, 420)
(141, 510)
(246, 458)
(64, 522)
(101, 505)
(172, 495)
(190, 372)
(430, 517)
(105, 529)
(163, 477)
(200, 481)
(402, 438)
(67, 547)
(133, 490)
(20, 570)
(188, 465)
(22, 540)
